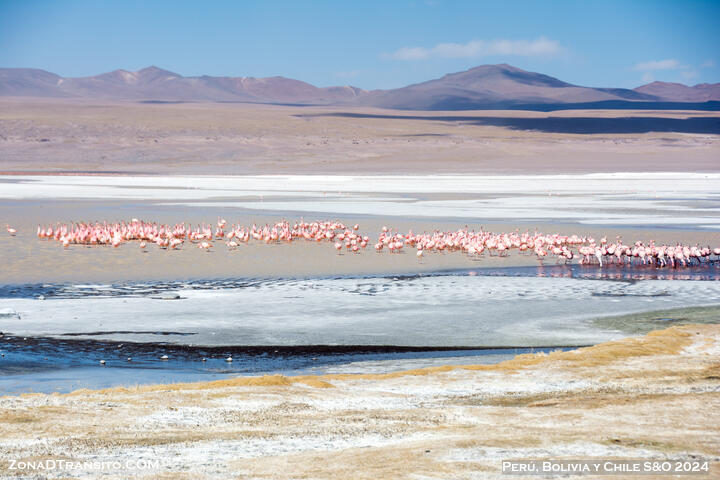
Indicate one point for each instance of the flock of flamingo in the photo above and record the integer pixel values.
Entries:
(343, 237)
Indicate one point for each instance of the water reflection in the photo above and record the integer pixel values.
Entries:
(704, 272)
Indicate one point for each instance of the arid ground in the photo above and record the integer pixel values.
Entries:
(41, 135)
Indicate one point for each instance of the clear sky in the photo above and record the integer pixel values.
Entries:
(369, 44)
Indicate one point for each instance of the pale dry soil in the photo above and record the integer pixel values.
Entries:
(45, 135)
(656, 396)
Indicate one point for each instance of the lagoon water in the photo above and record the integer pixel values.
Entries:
(55, 335)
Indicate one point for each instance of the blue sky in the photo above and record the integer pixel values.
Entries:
(370, 44)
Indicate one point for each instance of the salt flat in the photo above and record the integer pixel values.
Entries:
(630, 198)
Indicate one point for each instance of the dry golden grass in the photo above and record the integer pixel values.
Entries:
(18, 418)
(712, 372)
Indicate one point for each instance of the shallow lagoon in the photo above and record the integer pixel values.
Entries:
(318, 325)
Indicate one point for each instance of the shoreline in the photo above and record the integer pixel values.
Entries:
(253, 350)
(528, 267)
(621, 349)
(595, 402)
(48, 360)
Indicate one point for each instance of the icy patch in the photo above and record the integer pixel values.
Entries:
(8, 313)
(416, 311)
(459, 383)
(703, 347)
(367, 401)
(180, 417)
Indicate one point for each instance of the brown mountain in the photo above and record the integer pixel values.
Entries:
(156, 84)
(677, 92)
(29, 82)
(483, 87)
(494, 85)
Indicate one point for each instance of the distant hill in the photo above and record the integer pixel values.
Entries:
(494, 85)
(677, 92)
(29, 82)
(156, 84)
(484, 87)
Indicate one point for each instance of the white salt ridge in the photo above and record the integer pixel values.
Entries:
(138, 186)
(655, 199)
(597, 212)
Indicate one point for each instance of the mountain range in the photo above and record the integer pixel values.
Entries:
(482, 87)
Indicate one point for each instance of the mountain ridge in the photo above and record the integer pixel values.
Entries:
(701, 92)
(480, 87)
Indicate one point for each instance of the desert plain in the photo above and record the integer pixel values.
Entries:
(95, 136)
